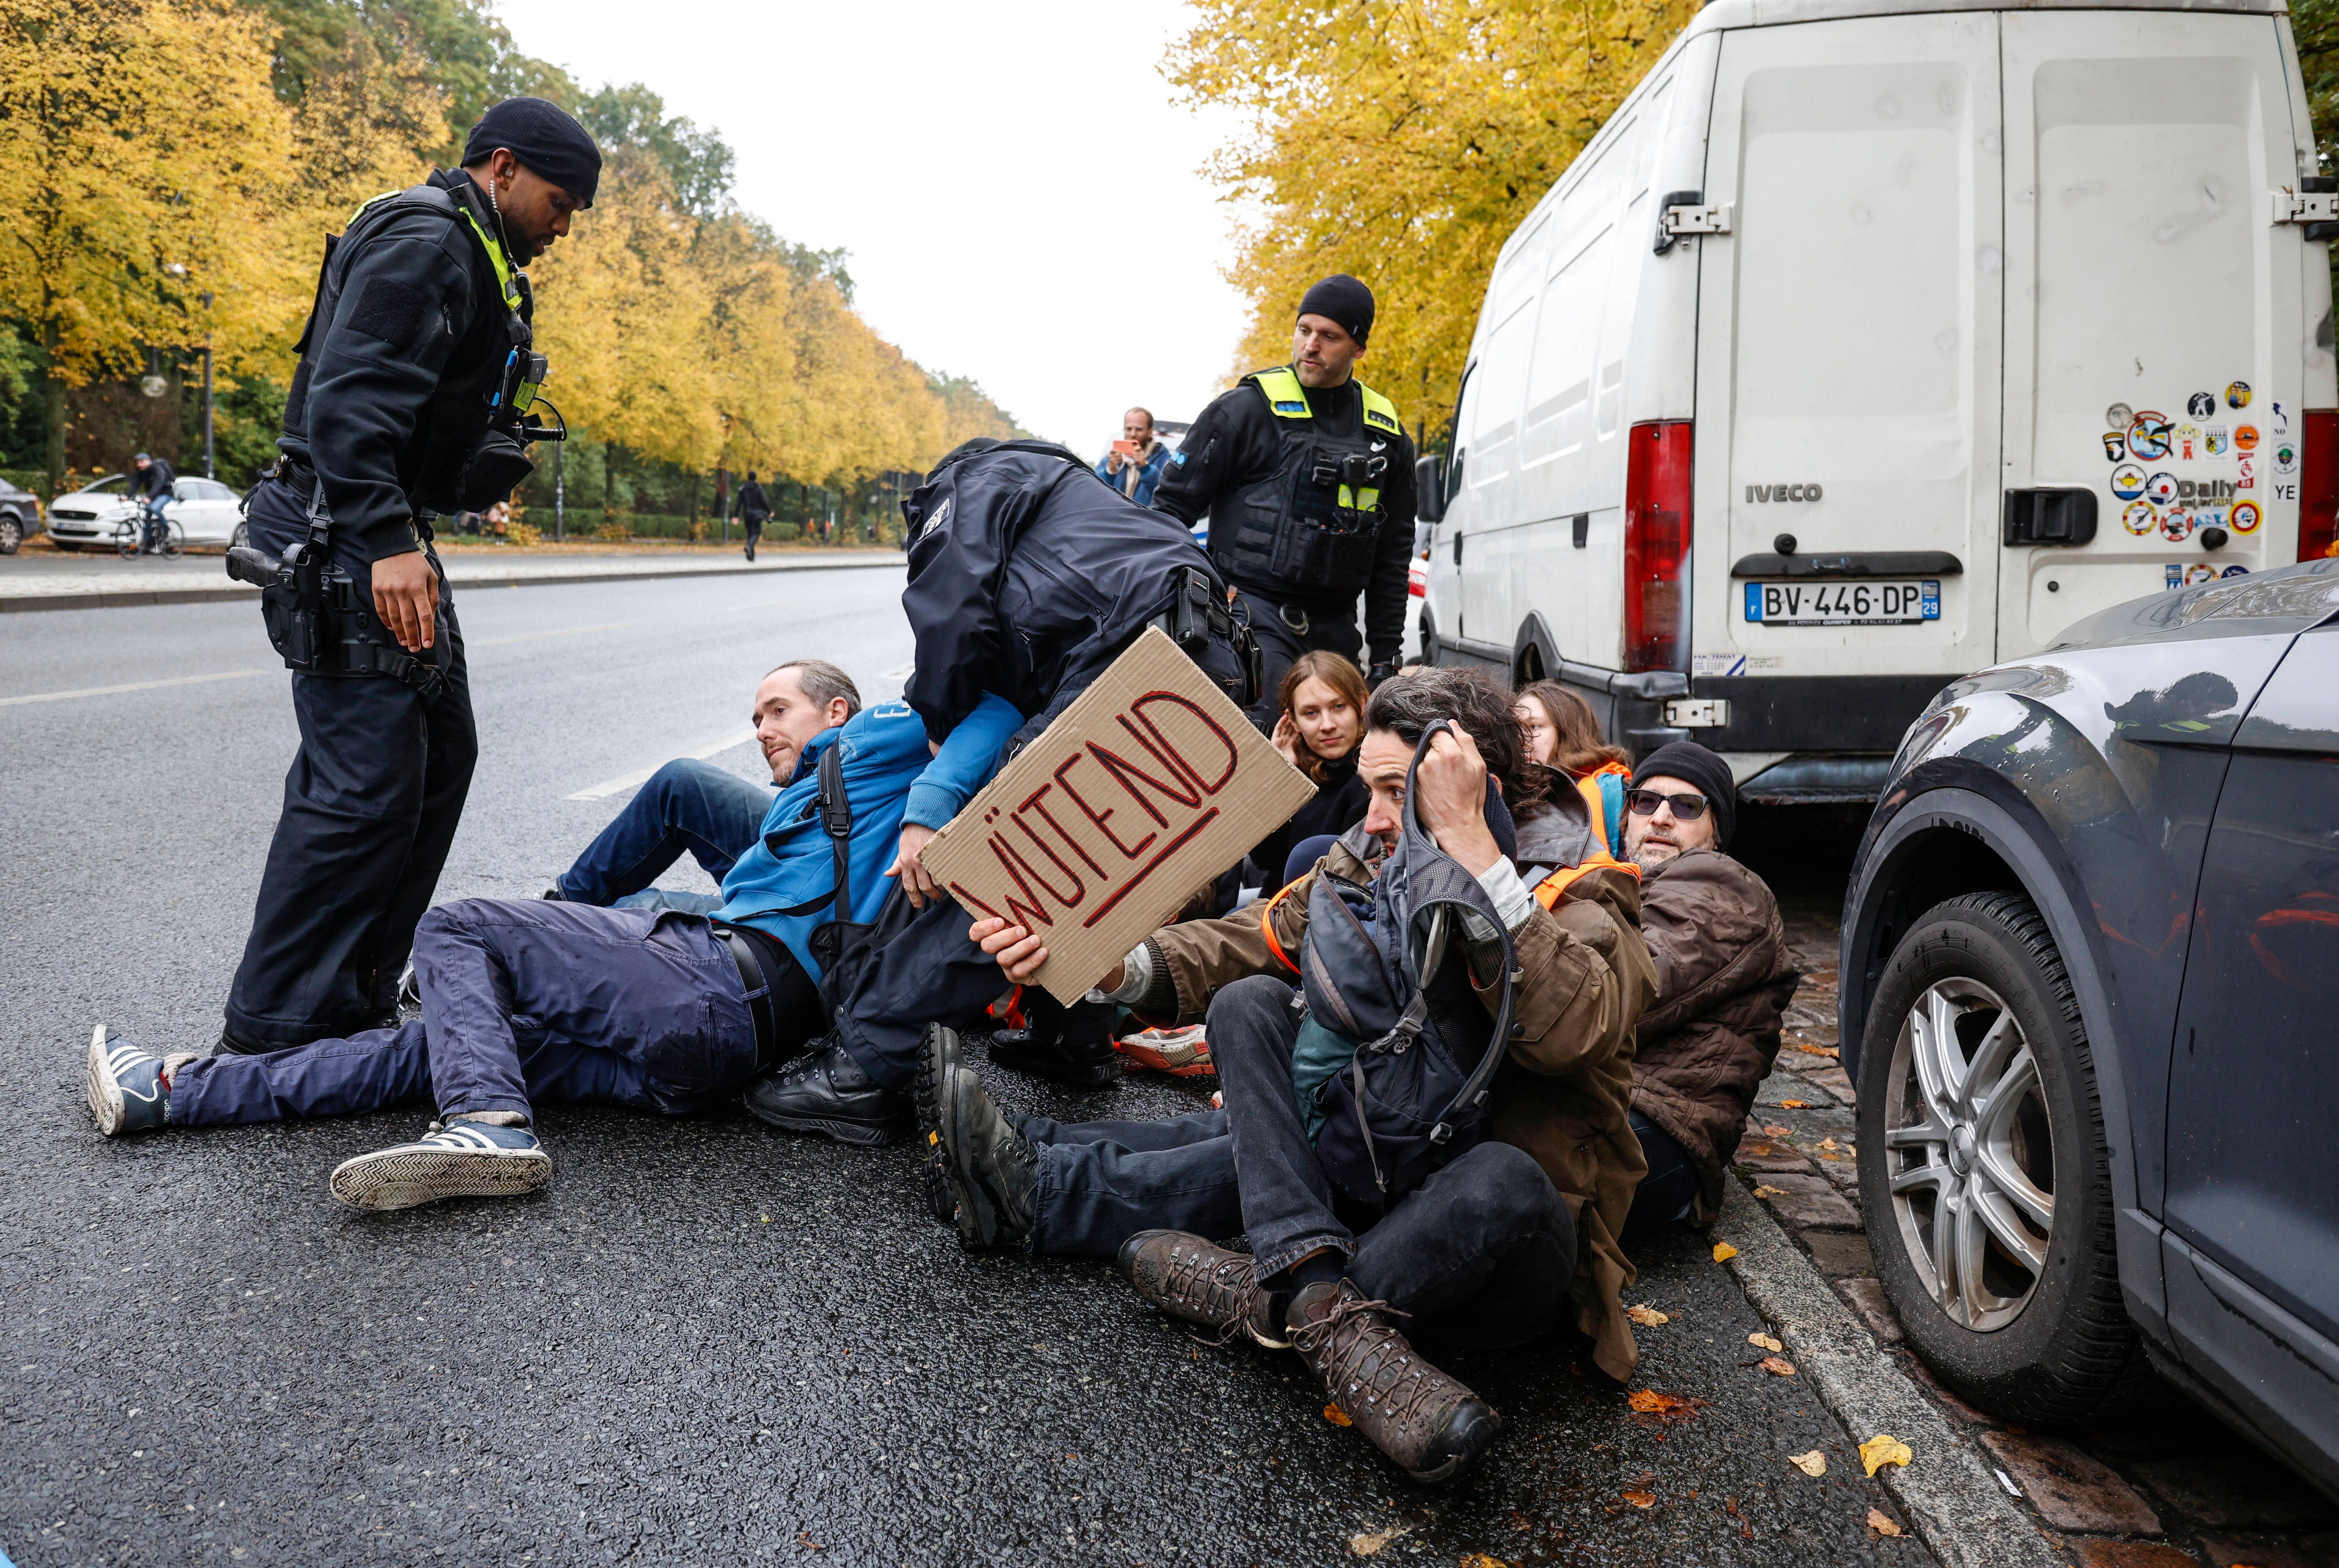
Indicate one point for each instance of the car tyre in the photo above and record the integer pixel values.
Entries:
(240, 536)
(1978, 1100)
(12, 534)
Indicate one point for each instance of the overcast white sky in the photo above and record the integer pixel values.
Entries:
(1021, 198)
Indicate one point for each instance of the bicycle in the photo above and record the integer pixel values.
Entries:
(145, 521)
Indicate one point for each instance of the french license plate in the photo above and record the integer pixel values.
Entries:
(1843, 604)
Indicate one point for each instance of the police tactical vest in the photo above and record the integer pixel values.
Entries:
(469, 401)
(1313, 526)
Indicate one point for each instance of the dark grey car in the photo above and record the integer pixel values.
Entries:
(2091, 1005)
(20, 516)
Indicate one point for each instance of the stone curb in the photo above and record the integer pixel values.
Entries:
(106, 600)
(1955, 1503)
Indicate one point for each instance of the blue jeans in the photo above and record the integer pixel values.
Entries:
(1101, 1182)
(1480, 1254)
(522, 1000)
(711, 812)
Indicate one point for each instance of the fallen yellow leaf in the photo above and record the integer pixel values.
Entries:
(1794, 1105)
(1765, 1341)
(1649, 1402)
(1879, 1523)
(1723, 1252)
(1884, 1449)
(1368, 1545)
(1827, 1143)
(1640, 1499)
(1647, 1316)
(1764, 1190)
(1340, 1417)
(1778, 1366)
(1779, 1131)
(1480, 1560)
(1813, 1464)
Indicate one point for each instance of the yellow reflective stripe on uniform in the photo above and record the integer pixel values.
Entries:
(1285, 396)
(368, 202)
(495, 259)
(1379, 410)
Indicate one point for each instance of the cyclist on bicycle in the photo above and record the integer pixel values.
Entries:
(150, 488)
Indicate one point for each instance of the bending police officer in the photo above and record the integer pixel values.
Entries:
(1306, 474)
(411, 398)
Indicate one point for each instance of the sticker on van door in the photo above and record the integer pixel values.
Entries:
(2118, 416)
(2116, 445)
(2140, 518)
(2176, 525)
(2147, 435)
(2237, 395)
(2245, 516)
(2201, 405)
(2245, 437)
(2285, 458)
(2160, 490)
(2216, 440)
(2127, 481)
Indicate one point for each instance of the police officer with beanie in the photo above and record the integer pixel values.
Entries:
(1307, 475)
(412, 399)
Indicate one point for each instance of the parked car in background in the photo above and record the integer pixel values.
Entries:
(1870, 343)
(206, 511)
(20, 516)
(2089, 951)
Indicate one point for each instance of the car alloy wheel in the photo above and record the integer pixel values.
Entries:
(1970, 1150)
(12, 535)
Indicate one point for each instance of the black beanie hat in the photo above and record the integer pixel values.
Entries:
(1691, 762)
(1341, 299)
(545, 139)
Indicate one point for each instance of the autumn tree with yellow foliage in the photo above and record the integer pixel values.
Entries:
(1402, 141)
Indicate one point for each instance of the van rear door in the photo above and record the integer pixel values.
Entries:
(2155, 341)
(1849, 330)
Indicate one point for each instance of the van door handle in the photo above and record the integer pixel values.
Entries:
(2050, 516)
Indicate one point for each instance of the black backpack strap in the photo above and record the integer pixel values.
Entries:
(836, 821)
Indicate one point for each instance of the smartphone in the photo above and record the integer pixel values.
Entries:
(1126, 449)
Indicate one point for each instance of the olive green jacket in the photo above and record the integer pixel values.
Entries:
(1561, 1096)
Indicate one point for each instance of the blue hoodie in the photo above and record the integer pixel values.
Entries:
(889, 778)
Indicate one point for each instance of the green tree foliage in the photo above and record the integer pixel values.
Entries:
(697, 164)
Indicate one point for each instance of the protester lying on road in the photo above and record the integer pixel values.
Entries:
(1723, 980)
(536, 999)
(1496, 1248)
(1027, 577)
(709, 811)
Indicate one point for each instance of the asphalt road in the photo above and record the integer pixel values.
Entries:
(706, 1341)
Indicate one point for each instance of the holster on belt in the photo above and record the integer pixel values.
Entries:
(1197, 615)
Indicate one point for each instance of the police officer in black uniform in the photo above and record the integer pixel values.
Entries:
(1028, 576)
(1307, 475)
(412, 399)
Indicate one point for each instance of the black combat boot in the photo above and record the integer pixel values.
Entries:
(824, 1090)
(990, 1169)
(936, 1056)
(1189, 1278)
(1071, 1045)
(1430, 1425)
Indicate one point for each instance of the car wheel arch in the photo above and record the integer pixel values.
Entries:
(1894, 857)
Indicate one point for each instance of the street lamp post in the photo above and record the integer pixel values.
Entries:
(207, 389)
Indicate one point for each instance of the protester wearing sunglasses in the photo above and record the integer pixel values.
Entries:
(1724, 979)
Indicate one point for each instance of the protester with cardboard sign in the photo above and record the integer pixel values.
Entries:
(1027, 577)
(1499, 1244)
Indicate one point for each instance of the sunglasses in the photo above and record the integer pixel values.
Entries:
(1646, 802)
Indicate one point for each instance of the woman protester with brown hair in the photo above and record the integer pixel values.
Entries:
(1563, 734)
(1323, 719)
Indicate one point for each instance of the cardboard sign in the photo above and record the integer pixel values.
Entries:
(1149, 784)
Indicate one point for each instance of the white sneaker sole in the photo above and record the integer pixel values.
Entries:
(404, 1178)
(105, 1094)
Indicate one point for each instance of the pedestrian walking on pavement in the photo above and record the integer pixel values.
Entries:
(1307, 476)
(753, 510)
(409, 401)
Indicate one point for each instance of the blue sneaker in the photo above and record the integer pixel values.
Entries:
(461, 1159)
(126, 1091)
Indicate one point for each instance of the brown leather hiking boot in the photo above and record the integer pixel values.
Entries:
(1187, 1276)
(1430, 1425)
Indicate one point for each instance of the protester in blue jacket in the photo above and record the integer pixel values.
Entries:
(542, 998)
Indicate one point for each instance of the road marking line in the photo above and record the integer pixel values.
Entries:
(533, 636)
(641, 776)
(133, 686)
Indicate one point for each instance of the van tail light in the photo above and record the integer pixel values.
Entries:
(2318, 486)
(1656, 545)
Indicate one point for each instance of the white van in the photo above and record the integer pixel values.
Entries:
(1869, 344)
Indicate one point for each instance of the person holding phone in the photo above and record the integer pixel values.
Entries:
(1134, 464)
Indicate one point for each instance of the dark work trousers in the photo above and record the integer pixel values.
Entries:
(1281, 642)
(525, 1001)
(1101, 1182)
(1669, 1192)
(688, 807)
(370, 805)
(1480, 1254)
(754, 534)
(930, 973)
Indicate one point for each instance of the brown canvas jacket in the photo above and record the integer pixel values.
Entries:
(1562, 1093)
(1723, 981)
